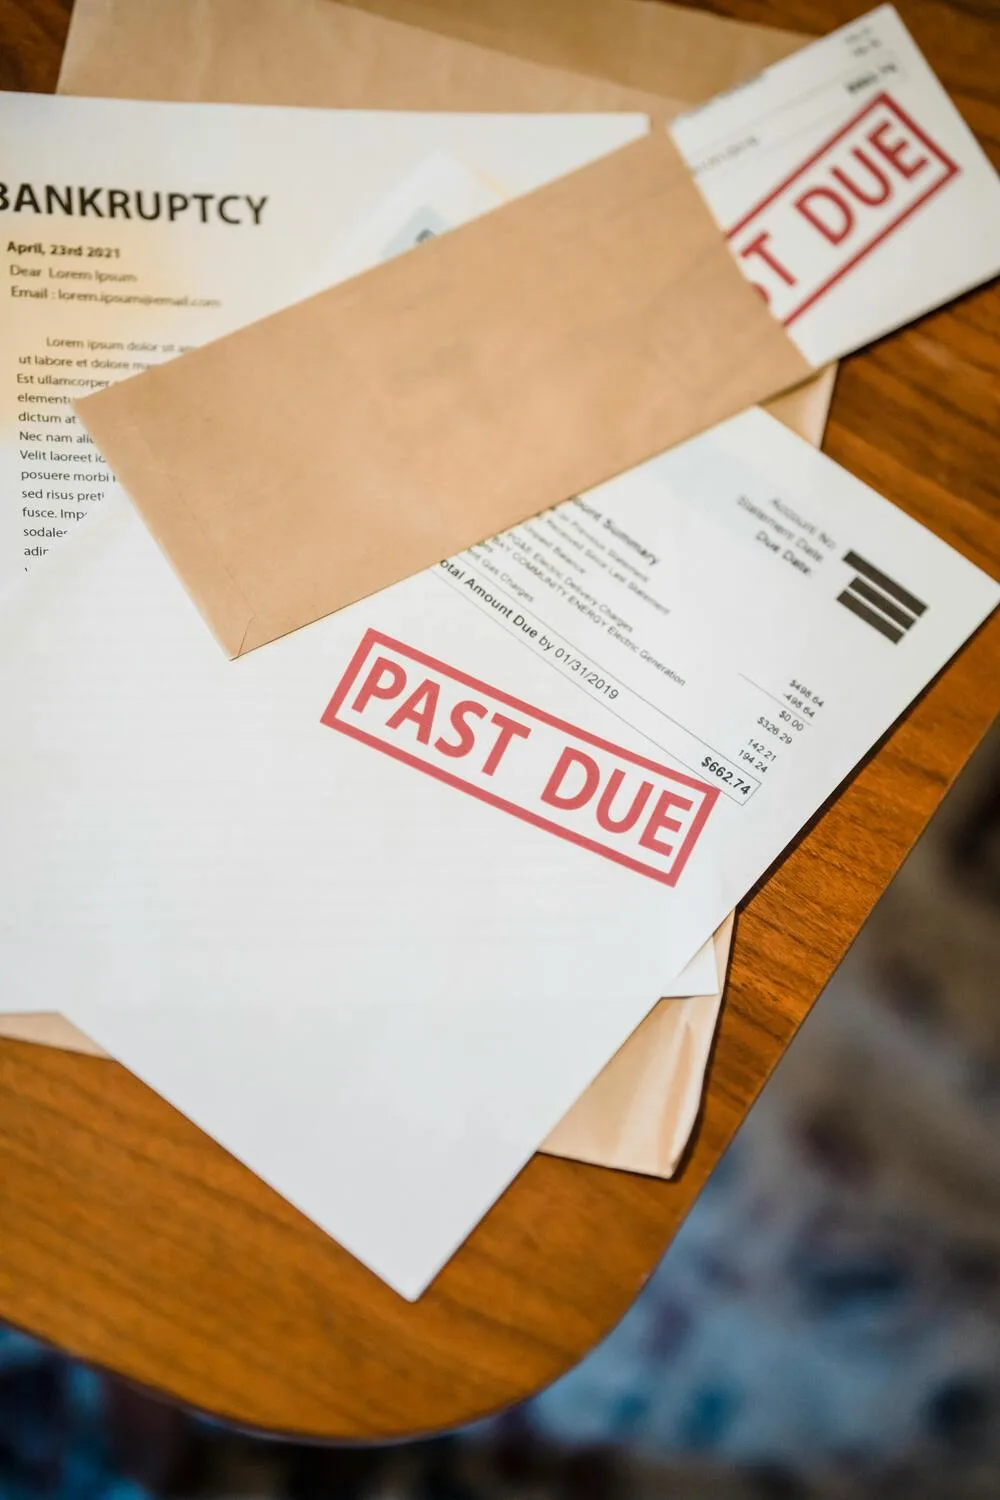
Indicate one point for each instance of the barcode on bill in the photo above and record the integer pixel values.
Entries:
(879, 600)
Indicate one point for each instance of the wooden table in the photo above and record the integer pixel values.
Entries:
(129, 1239)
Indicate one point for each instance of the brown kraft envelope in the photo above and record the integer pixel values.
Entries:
(638, 1113)
(478, 54)
(545, 55)
(443, 396)
(452, 55)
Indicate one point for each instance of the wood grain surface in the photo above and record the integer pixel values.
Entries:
(132, 1241)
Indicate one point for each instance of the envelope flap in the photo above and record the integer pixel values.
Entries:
(190, 546)
(414, 54)
(312, 53)
(641, 44)
(358, 437)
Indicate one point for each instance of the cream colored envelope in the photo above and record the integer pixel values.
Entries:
(639, 1111)
(530, 54)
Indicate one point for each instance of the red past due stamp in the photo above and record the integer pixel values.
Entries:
(834, 210)
(538, 768)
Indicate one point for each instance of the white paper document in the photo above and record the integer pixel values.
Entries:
(131, 231)
(852, 192)
(374, 905)
(76, 314)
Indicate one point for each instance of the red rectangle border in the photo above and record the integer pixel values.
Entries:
(952, 169)
(708, 794)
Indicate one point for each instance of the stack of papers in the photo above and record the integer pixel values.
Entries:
(375, 903)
